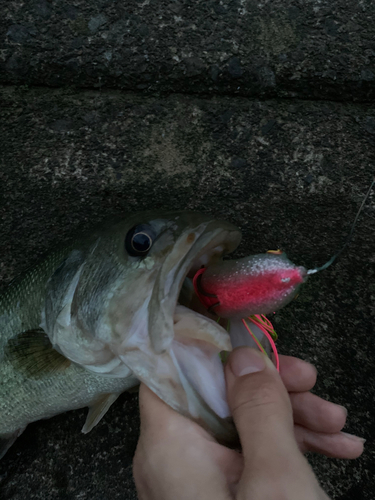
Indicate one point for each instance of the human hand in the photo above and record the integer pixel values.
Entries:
(317, 422)
(176, 458)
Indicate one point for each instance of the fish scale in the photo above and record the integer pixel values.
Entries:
(23, 399)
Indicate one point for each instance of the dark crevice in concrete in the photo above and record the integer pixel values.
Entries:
(199, 95)
(272, 49)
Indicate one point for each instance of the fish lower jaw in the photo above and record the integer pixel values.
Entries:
(195, 351)
(189, 324)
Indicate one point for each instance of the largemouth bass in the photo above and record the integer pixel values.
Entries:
(112, 309)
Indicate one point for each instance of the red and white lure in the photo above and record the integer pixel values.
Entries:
(246, 289)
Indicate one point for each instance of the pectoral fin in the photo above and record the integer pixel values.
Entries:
(7, 440)
(97, 411)
(32, 353)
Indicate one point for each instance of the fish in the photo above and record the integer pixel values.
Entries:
(117, 307)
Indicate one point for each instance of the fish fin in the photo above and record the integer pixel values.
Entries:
(97, 410)
(7, 440)
(32, 353)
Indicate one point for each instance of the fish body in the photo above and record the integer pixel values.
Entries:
(96, 317)
(117, 307)
(33, 390)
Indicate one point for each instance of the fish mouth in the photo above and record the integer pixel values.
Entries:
(175, 349)
(186, 336)
(211, 243)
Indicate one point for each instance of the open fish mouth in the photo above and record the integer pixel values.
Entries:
(202, 247)
(179, 360)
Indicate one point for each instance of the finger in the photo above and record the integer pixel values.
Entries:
(154, 413)
(150, 405)
(174, 458)
(337, 445)
(261, 410)
(177, 470)
(160, 423)
(158, 419)
(260, 406)
(317, 414)
(297, 375)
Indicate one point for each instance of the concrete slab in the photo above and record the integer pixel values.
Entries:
(315, 49)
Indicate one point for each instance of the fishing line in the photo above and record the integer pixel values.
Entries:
(332, 259)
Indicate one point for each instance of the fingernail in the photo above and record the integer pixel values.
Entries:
(343, 409)
(246, 360)
(354, 438)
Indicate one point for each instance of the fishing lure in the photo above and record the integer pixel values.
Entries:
(251, 287)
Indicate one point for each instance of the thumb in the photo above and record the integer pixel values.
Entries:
(261, 409)
(273, 465)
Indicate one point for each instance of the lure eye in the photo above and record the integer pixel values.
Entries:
(139, 240)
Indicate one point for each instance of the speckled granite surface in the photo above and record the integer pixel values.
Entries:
(291, 174)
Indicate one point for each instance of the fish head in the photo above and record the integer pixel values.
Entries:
(112, 306)
(258, 284)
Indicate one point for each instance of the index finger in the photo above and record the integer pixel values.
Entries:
(297, 375)
(153, 411)
(159, 421)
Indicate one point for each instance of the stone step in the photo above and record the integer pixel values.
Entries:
(317, 49)
(258, 163)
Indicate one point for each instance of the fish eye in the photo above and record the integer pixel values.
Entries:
(285, 280)
(139, 240)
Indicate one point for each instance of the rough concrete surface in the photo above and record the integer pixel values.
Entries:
(313, 49)
(291, 174)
